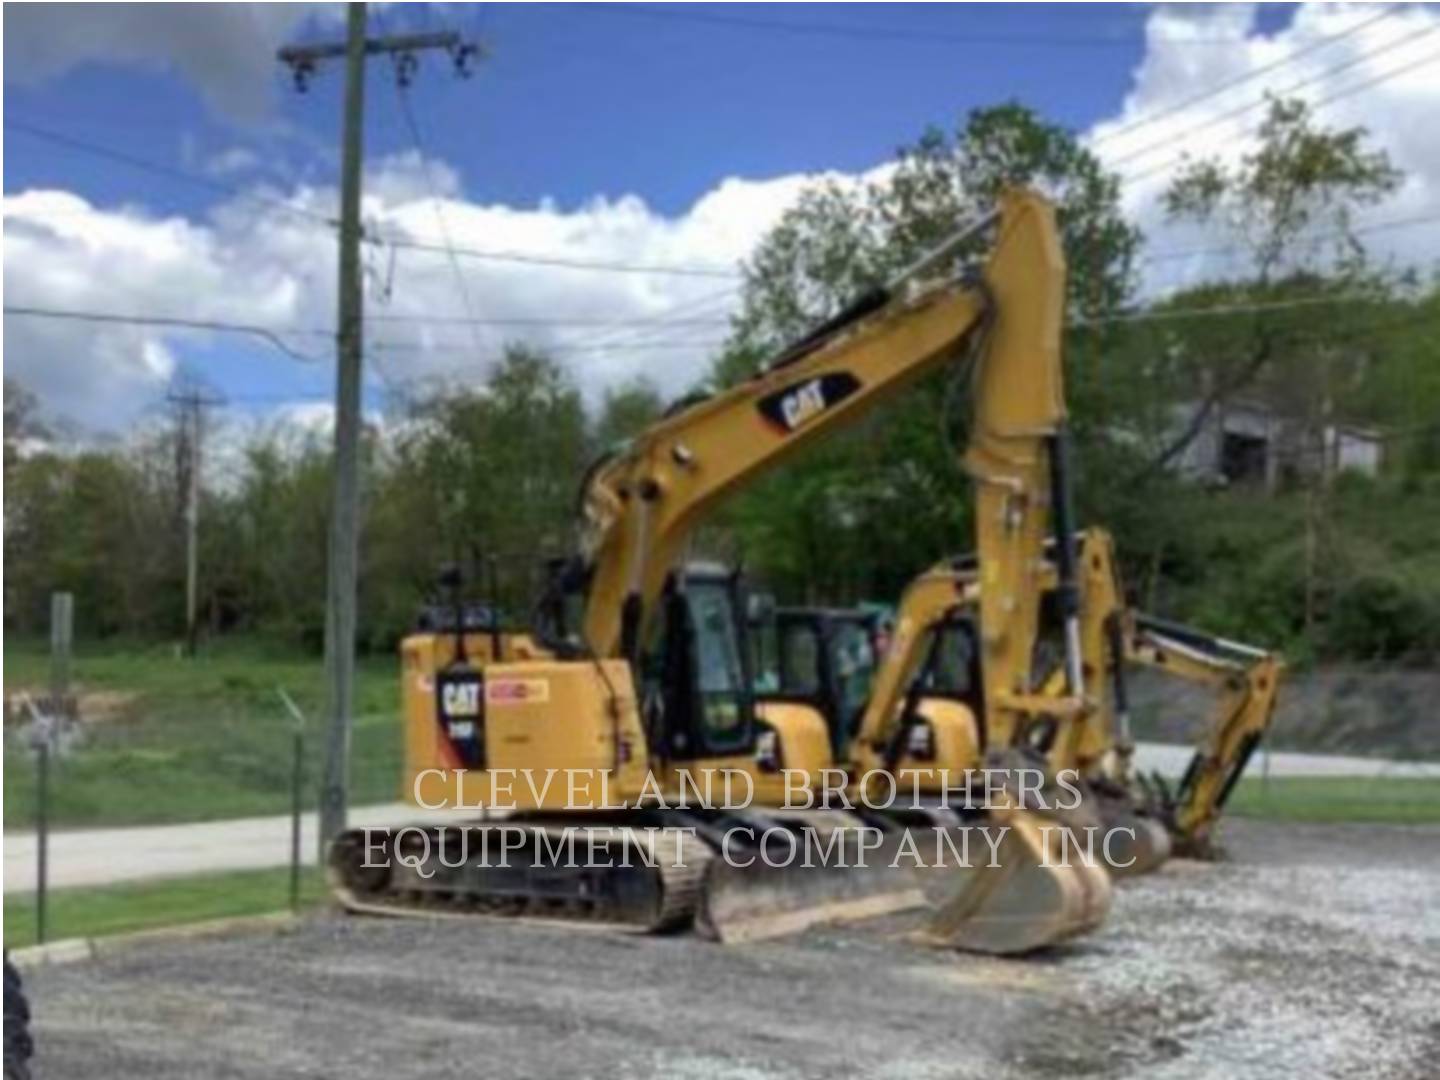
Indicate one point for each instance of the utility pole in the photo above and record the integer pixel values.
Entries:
(341, 571)
(190, 407)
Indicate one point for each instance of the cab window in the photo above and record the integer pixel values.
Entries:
(720, 670)
(799, 661)
(854, 658)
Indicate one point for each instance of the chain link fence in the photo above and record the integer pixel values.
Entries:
(101, 794)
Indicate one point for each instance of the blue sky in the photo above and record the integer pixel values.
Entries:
(662, 133)
(576, 100)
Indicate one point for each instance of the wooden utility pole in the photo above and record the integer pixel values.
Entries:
(190, 407)
(341, 572)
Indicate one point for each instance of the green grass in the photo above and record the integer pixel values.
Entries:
(118, 909)
(195, 740)
(1371, 800)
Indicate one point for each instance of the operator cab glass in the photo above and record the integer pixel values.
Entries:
(853, 663)
(953, 668)
(724, 694)
(799, 660)
(827, 659)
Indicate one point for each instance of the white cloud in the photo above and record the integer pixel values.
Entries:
(227, 50)
(231, 162)
(61, 252)
(252, 262)
(1398, 112)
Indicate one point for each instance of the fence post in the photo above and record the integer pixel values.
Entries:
(62, 618)
(297, 784)
(41, 736)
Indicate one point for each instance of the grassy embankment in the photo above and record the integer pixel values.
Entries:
(118, 909)
(1373, 800)
(168, 739)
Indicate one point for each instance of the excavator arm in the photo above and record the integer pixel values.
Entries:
(1114, 638)
(928, 601)
(642, 505)
(1246, 679)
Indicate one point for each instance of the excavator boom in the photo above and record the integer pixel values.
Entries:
(642, 505)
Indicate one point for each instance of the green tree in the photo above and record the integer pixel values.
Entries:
(626, 411)
(475, 474)
(1290, 206)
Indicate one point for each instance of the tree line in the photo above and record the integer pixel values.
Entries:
(1322, 563)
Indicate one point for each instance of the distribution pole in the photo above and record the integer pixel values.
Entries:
(341, 573)
(192, 533)
(190, 406)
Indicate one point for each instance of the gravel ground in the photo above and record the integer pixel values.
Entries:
(1313, 951)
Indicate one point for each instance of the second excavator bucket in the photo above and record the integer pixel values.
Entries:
(1138, 844)
(842, 870)
(1133, 840)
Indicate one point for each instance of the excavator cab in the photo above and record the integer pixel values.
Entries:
(697, 686)
(824, 658)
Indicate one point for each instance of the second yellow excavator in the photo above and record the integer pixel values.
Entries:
(831, 661)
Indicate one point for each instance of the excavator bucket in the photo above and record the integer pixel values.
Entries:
(1137, 843)
(1035, 891)
(1132, 841)
(840, 869)
(1033, 882)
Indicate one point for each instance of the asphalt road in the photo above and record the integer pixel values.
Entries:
(1313, 951)
(112, 856)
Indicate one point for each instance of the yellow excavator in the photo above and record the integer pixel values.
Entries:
(829, 660)
(635, 677)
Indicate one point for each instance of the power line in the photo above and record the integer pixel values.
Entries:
(175, 322)
(1230, 114)
(400, 242)
(441, 320)
(1339, 95)
(559, 349)
(71, 142)
(1220, 88)
(870, 33)
(271, 334)
(707, 303)
(1379, 226)
(564, 262)
(1212, 310)
(402, 93)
